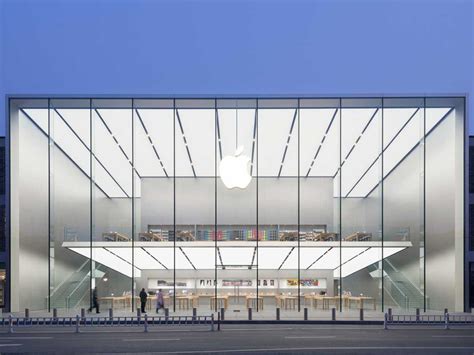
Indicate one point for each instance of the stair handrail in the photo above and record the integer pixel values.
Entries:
(67, 278)
(398, 289)
(68, 297)
(406, 278)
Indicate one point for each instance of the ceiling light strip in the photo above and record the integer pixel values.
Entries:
(182, 251)
(288, 142)
(116, 141)
(253, 140)
(322, 141)
(357, 140)
(253, 256)
(159, 262)
(319, 258)
(380, 154)
(218, 133)
(412, 149)
(64, 152)
(118, 256)
(151, 142)
(220, 256)
(355, 256)
(185, 142)
(284, 260)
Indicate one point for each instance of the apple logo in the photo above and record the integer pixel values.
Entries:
(234, 170)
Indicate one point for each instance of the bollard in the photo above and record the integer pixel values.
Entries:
(446, 321)
(194, 312)
(55, 313)
(212, 321)
(361, 314)
(146, 323)
(417, 314)
(250, 313)
(218, 322)
(222, 313)
(27, 313)
(77, 324)
(333, 313)
(83, 313)
(278, 313)
(305, 312)
(10, 324)
(139, 313)
(111, 314)
(445, 310)
(167, 313)
(385, 319)
(390, 314)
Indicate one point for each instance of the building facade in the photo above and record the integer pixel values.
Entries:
(236, 203)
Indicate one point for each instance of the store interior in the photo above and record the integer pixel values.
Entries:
(238, 203)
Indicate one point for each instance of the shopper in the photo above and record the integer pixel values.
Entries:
(160, 303)
(143, 298)
(95, 301)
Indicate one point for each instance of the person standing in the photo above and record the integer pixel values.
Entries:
(143, 298)
(160, 303)
(95, 301)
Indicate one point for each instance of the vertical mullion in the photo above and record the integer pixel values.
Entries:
(174, 205)
(299, 219)
(340, 204)
(256, 200)
(215, 204)
(49, 205)
(133, 210)
(90, 201)
(382, 201)
(424, 204)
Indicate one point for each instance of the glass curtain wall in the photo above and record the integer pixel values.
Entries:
(238, 204)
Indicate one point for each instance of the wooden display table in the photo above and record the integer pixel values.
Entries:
(121, 300)
(360, 300)
(287, 302)
(222, 302)
(186, 302)
(115, 237)
(254, 302)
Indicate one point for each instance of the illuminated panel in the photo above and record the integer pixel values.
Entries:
(307, 257)
(202, 257)
(271, 258)
(109, 260)
(142, 259)
(236, 255)
(365, 259)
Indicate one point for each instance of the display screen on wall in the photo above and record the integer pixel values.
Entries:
(303, 282)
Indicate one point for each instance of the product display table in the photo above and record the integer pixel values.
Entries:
(287, 302)
(186, 302)
(222, 302)
(121, 300)
(254, 302)
(360, 300)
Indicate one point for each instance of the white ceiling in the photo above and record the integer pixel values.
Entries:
(353, 256)
(194, 140)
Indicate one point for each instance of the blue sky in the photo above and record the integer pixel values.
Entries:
(247, 47)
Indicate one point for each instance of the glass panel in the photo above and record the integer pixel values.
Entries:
(403, 203)
(236, 209)
(154, 200)
(70, 188)
(361, 243)
(278, 206)
(29, 204)
(111, 254)
(444, 244)
(194, 233)
(319, 204)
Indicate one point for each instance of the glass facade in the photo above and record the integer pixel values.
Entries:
(238, 203)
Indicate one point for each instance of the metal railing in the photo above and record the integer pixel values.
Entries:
(446, 320)
(77, 323)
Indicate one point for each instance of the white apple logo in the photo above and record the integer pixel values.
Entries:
(234, 170)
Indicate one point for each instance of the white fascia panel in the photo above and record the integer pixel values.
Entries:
(141, 259)
(307, 257)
